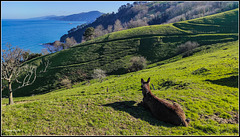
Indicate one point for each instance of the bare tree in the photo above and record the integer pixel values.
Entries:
(110, 28)
(83, 39)
(99, 74)
(188, 47)
(137, 63)
(69, 42)
(14, 71)
(44, 51)
(99, 31)
(57, 46)
(50, 48)
(66, 82)
(26, 55)
(136, 23)
(118, 25)
(45, 64)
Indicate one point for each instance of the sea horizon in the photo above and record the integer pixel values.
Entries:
(31, 34)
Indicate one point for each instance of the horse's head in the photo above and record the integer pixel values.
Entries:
(145, 86)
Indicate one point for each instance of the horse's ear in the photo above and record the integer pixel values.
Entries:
(142, 81)
(148, 80)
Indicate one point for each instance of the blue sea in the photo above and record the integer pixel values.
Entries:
(31, 34)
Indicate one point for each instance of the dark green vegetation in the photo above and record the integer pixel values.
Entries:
(151, 13)
(88, 109)
(88, 34)
(112, 52)
(204, 83)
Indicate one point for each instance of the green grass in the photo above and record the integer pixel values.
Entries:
(222, 23)
(203, 84)
(113, 51)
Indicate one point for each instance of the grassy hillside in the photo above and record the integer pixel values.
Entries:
(113, 51)
(205, 85)
(152, 13)
(225, 22)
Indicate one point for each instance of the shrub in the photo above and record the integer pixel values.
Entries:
(66, 83)
(136, 23)
(69, 42)
(199, 71)
(77, 75)
(98, 74)
(27, 55)
(88, 34)
(137, 63)
(187, 47)
(118, 25)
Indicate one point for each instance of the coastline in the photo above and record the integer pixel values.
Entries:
(33, 35)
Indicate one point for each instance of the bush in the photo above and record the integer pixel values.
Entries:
(200, 71)
(77, 75)
(187, 47)
(66, 83)
(98, 74)
(69, 42)
(137, 63)
(27, 55)
(88, 34)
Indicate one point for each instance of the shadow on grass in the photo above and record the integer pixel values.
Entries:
(137, 112)
(230, 81)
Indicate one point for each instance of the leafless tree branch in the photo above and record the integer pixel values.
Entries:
(46, 64)
(13, 71)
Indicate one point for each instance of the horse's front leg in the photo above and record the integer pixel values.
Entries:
(143, 104)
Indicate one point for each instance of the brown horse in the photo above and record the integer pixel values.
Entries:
(161, 109)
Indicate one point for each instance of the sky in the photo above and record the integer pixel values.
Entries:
(30, 9)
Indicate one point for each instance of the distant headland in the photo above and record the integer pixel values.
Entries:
(84, 16)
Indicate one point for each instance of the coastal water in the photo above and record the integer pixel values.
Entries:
(31, 34)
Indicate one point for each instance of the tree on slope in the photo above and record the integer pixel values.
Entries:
(99, 74)
(117, 25)
(14, 71)
(70, 42)
(88, 34)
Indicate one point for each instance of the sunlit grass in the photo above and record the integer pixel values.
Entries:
(88, 109)
(113, 51)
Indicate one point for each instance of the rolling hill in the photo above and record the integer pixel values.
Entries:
(152, 13)
(113, 51)
(205, 84)
(84, 16)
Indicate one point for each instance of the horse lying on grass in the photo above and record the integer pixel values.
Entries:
(161, 109)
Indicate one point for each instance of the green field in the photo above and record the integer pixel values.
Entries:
(113, 51)
(209, 98)
(205, 84)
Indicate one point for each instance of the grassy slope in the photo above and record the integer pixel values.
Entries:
(225, 22)
(112, 52)
(205, 85)
(209, 98)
